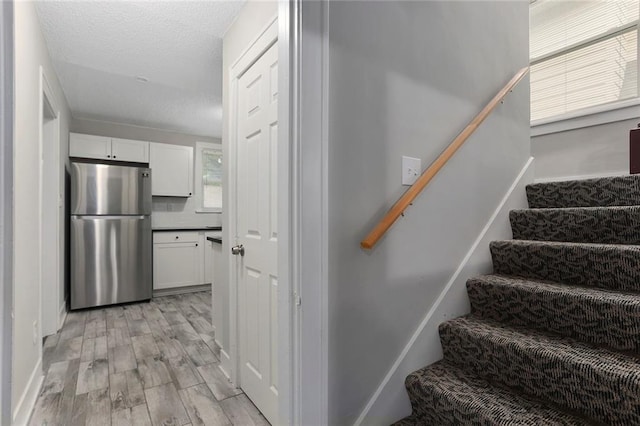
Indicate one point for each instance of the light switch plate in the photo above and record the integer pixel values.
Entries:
(411, 170)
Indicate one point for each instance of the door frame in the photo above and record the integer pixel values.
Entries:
(305, 117)
(302, 209)
(49, 287)
(6, 207)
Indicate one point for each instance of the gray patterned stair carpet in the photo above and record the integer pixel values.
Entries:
(553, 337)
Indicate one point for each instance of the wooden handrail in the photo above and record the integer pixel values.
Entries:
(407, 198)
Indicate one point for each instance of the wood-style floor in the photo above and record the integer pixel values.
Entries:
(150, 363)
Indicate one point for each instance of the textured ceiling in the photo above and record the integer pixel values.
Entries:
(98, 48)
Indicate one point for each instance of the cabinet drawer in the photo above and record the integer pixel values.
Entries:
(175, 237)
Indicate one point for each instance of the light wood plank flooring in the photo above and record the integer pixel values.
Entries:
(150, 363)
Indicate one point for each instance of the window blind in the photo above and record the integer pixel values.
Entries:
(583, 54)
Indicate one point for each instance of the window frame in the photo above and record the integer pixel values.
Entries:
(604, 113)
(198, 186)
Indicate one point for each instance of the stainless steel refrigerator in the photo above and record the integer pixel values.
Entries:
(111, 242)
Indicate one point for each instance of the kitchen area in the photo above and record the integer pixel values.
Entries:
(132, 234)
(146, 302)
(124, 304)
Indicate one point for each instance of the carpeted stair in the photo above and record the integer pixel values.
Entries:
(553, 337)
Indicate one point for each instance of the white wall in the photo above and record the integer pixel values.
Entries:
(167, 211)
(30, 54)
(252, 19)
(404, 79)
(588, 151)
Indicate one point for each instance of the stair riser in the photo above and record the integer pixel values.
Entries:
(606, 226)
(613, 267)
(588, 319)
(617, 191)
(599, 392)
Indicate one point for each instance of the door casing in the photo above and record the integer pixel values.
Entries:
(50, 201)
(303, 88)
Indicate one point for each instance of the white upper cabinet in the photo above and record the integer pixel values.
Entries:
(129, 150)
(110, 149)
(171, 170)
(89, 146)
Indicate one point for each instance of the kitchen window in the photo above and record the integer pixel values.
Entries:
(208, 177)
(583, 56)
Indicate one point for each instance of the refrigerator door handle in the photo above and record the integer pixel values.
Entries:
(120, 216)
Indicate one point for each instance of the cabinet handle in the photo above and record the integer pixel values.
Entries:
(196, 244)
(108, 156)
(189, 193)
(114, 156)
(177, 237)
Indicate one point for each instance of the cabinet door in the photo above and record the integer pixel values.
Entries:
(172, 170)
(89, 146)
(177, 265)
(129, 150)
(220, 295)
(208, 258)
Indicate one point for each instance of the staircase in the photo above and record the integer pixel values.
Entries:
(553, 337)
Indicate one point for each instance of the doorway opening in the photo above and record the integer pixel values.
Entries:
(52, 300)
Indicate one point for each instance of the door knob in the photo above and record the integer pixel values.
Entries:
(237, 250)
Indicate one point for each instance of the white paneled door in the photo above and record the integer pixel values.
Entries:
(257, 232)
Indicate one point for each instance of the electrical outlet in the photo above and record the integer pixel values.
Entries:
(35, 332)
(411, 170)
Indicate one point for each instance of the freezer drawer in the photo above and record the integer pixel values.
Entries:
(110, 260)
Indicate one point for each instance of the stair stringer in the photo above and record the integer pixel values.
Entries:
(390, 403)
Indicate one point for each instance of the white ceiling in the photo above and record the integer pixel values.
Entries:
(99, 48)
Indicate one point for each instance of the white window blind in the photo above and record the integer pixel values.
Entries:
(583, 54)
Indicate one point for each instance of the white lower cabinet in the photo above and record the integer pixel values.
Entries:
(178, 259)
(218, 291)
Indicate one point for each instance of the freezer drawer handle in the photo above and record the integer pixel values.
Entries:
(237, 250)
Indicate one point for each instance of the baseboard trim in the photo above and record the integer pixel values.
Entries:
(27, 401)
(62, 314)
(581, 177)
(389, 402)
(181, 290)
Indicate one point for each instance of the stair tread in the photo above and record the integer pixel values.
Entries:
(598, 382)
(580, 209)
(588, 245)
(615, 266)
(595, 316)
(595, 293)
(605, 191)
(611, 225)
(459, 393)
(616, 363)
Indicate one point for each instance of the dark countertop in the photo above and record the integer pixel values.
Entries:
(187, 228)
(215, 239)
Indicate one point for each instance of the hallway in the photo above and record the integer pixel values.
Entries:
(150, 363)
